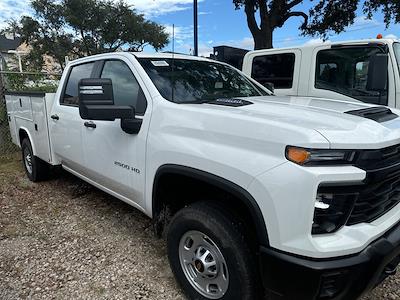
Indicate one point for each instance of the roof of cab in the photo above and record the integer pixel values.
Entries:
(167, 55)
(328, 43)
(138, 55)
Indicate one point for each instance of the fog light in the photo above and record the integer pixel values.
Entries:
(332, 211)
(323, 201)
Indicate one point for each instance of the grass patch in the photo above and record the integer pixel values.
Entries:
(25, 184)
(7, 147)
(11, 231)
(10, 163)
(99, 290)
(10, 167)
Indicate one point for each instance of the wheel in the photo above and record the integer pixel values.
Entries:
(35, 168)
(209, 256)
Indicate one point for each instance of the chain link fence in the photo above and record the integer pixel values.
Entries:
(18, 82)
(6, 145)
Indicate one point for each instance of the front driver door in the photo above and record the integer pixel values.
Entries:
(114, 158)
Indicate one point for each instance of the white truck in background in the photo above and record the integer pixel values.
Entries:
(298, 195)
(364, 70)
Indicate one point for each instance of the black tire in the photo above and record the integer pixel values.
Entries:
(219, 227)
(35, 168)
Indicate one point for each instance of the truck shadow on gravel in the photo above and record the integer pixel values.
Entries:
(65, 239)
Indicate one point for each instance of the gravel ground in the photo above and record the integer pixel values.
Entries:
(64, 239)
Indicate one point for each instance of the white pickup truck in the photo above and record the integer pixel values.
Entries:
(364, 70)
(300, 196)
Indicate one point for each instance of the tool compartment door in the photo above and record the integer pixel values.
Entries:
(40, 133)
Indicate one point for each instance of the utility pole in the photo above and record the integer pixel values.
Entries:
(196, 32)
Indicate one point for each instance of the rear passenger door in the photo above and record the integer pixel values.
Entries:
(66, 124)
(115, 159)
(281, 69)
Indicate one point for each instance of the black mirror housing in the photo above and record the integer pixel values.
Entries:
(378, 72)
(131, 126)
(96, 101)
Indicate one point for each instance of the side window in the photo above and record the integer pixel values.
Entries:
(345, 71)
(125, 86)
(277, 69)
(77, 73)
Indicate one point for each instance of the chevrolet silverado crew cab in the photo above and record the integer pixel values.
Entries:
(296, 196)
(364, 70)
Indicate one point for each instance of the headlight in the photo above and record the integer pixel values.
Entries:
(312, 157)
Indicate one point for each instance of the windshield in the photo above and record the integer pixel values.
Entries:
(193, 81)
(345, 70)
(396, 47)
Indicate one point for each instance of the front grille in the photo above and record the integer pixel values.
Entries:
(379, 160)
(375, 200)
(381, 190)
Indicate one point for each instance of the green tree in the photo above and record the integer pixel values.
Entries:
(12, 28)
(77, 28)
(105, 26)
(324, 17)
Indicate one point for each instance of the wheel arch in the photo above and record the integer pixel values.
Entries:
(24, 133)
(243, 196)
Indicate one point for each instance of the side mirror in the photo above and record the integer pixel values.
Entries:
(96, 101)
(270, 86)
(378, 73)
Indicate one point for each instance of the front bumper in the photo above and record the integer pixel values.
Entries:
(293, 277)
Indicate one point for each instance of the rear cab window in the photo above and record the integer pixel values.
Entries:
(275, 69)
(345, 71)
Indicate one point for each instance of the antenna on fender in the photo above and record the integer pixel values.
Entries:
(173, 64)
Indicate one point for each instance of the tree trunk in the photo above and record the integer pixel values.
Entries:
(263, 39)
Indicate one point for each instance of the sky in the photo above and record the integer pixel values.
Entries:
(221, 24)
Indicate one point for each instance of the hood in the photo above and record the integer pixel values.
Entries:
(345, 125)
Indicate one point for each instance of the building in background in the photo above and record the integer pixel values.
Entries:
(9, 44)
(12, 52)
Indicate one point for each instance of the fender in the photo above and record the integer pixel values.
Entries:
(226, 185)
(29, 136)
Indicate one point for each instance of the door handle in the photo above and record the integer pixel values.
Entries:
(55, 117)
(90, 125)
